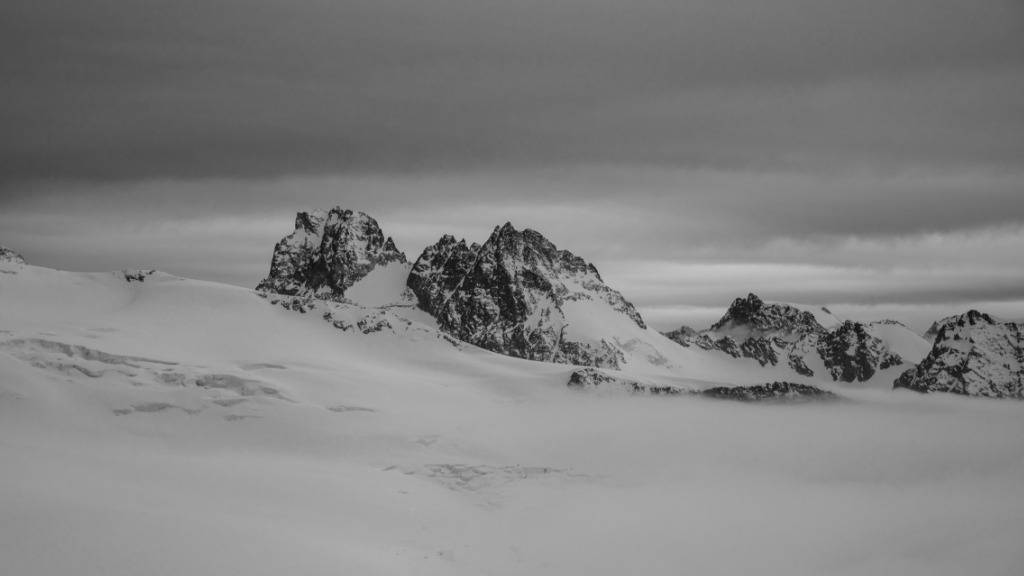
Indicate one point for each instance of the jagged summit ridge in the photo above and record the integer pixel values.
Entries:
(771, 333)
(974, 354)
(10, 256)
(512, 294)
(852, 354)
(753, 317)
(328, 252)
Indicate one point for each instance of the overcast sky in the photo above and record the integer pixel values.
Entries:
(867, 155)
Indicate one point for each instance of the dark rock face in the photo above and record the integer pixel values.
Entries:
(853, 355)
(10, 256)
(798, 365)
(137, 275)
(974, 354)
(510, 296)
(772, 391)
(767, 333)
(327, 253)
(756, 318)
(683, 335)
(760, 349)
(933, 330)
(590, 378)
(439, 271)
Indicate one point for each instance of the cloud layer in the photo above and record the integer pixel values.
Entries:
(866, 154)
(123, 89)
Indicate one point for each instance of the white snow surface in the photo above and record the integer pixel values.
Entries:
(910, 345)
(174, 426)
(383, 286)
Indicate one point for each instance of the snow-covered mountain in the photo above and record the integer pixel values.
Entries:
(328, 253)
(812, 342)
(973, 354)
(517, 294)
(752, 317)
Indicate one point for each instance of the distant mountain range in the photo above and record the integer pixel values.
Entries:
(517, 294)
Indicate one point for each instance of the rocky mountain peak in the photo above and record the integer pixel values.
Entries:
(327, 253)
(771, 333)
(684, 335)
(511, 295)
(973, 354)
(753, 317)
(851, 354)
(10, 256)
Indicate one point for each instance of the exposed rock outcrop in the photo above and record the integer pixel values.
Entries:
(136, 275)
(770, 333)
(595, 379)
(772, 391)
(591, 378)
(10, 256)
(851, 354)
(974, 354)
(684, 335)
(327, 253)
(752, 317)
(513, 295)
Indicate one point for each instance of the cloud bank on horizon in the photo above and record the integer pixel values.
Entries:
(867, 155)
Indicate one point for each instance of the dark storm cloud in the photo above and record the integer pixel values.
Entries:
(125, 89)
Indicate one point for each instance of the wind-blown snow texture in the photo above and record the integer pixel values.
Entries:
(327, 253)
(510, 296)
(974, 354)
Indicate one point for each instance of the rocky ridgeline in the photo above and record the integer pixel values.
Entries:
(851, 354)
(769, 392)
(772, 333)
(327, 253)
(592, 378)
(509, 295)
(439, 271)
(514, 295)
(753, 318)
(9, 256)
(973, 354)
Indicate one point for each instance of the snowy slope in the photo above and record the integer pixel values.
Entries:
(382, 286)
(173, 426)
